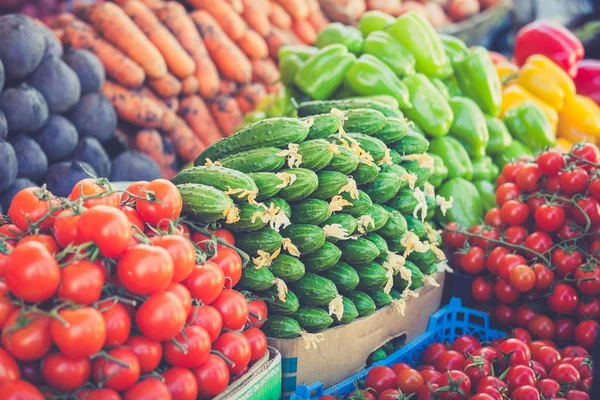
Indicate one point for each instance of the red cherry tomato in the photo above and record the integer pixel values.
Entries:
(116, 376)
(212, 377)
(585, 333)
(149, 352)
(563, 299)
(381, 378)
(574, 181)
(551, 162)
(528, 177)
(168, 208)
(182, 383)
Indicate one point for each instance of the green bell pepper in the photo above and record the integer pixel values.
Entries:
(338, 33)
(469, 126)
(303, 51)
(500, 139)
(392, 53)
(429, 108)
(369, 76)
(374, 20)
(452, 86)
(420, 38)
(454, 155)
(494, 172)
(467, 209)
(321, 74)
(441, 87)
(478, 79)
(528, 124)
(453, 46)
(512, 152)
(487, 192)
(482, 168)
(289, 67)
(440, 171)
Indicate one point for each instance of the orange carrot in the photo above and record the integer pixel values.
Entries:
(196, 113)
(317, 19)
(256, 17)
(297, 9)
(169, 121)
(149, 142)
(237, 5)
(222, 12)
(62, 20)
(112, 22)
(175, 17)
(178, 60)
(189, 85)
(278, 38)
(151, 4)
(249, 96)
(187, 145)
(305, 31)
(146, 91)
(227, 113)
(265, 71)
(59, 33)
(172, 103)
(166, 86)
(231, 61)
(274, 88)
(135, 108)
(227, 87)
(279, 17)
(253, 45)
(118, 66)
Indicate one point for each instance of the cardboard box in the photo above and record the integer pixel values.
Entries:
(262, 382)
(345, 348)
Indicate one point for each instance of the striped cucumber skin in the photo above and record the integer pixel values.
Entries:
(266, 239)
(256, 280)
(359, 206)
(276, 132)
(364, 120)
(393, 131)
(281, 203)
(404, 201)
(380, 215)
(385, 186)
(204, 203)
(345, 162)
(316, 154)
(372, 145)
(314, 290)
(350, 312)
(347, 221)
(312, 319)
(266, 159)
(372, 275)
(379, 242)
(422, 173)
(324, 125)
(365, 173)
(363, 302)
(310, 211)
(415, 225)
(288, 268)
(344, 276)
(276, 306)
(324, 106)
(218, 177)
(395, 226)
(358, 250)
(411, 143)
(330, 184)
(245, 223)
(306, 183)
(267, 183)
(307, 238)
(281, 327)
(380, 298)
(324, 258)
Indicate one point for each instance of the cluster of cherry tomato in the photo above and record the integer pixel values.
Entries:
(107, 295)
(508, 368)
(537, 253)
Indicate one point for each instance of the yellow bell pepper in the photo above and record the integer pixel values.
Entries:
(546, 80)
(580, 120)
(563, 145)
(507, 72)
(515, 95)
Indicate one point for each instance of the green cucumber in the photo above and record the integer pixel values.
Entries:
(384, 187)
(281, 327)
(395, 225)
(348, 222)
(398, 170)
(276, 132)
(423, 260)
(288, 268)
(380, 298)
(371, 145)
(306, 183)
(266, 239)
(330, 184)
(314, 290)
(281, 203)
(393, 131)
(265, 159)
(395, 244)
(363, 302)
(379, 242)
(324, 258)
(415, 225)
(372, 275)
(422, 173)
(345, 162)
(307, 238)
(411, 143)
(276, 306)
(365, 173)
(380, 216)
(396, 157)
(267, 183)
(350, 312)
(204, 203)
(416, 277)
(344, 276)
(313, 320)
(359, 205)
(316, 154)
(218, 177)
(324, 106)
(246, 223)
(396, 295)
(364, 120)
(324, 125)
(310, 211)
(358, 250)
(256, 280)
(404, 201)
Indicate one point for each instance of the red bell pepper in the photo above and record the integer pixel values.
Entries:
(552, 40)
(497, 58)
(587, 79)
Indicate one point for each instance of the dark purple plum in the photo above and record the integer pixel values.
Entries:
(3, 126)
(88, 68)
(9, 165)
(134, 166)
(58, 138)
(25, 109)
(91, 151)
(32, 160)
(61, 177)
(7, 195)
(57, 82)
(21, 45)
(94, 116)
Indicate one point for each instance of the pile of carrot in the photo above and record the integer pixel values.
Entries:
(182, 74)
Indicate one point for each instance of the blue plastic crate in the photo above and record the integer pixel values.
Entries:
(446, 324)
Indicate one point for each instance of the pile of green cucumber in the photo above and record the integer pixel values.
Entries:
(321, 204)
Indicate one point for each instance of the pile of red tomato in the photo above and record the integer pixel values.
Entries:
(104, 295)
(535, 260)
(509, 368)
